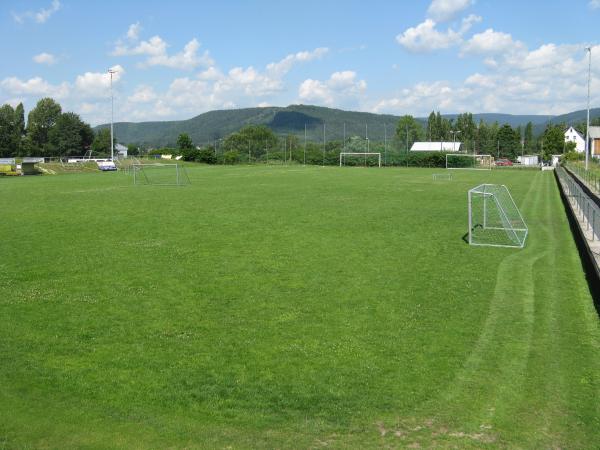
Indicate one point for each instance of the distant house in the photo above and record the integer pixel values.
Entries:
(435, 147)
(572, 135)
(121, 150)
(595, 141)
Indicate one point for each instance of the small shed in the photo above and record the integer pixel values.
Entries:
(121, 150)
(528, 160)
(28, 168)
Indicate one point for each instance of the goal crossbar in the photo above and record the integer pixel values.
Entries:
(364, 154)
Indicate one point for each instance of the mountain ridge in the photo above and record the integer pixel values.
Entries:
(213, 125)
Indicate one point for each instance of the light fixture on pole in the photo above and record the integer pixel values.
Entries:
(587, 129)
(112, 114)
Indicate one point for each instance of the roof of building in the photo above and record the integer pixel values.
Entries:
(435, 146)
(577, 132)
(595, 132)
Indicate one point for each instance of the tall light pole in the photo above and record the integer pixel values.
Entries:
(112, 114)
(587, 130)
(454, 133)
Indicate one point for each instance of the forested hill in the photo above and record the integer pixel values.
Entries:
(292, 119)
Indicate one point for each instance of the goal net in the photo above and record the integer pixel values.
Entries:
(360, 159)
(494, 219)
(160, 174)
(474, 162)
(442, 176)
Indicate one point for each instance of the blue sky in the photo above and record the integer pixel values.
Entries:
(177, 59)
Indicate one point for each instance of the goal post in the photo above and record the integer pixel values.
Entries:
(472, 162)
(494, 218)
(346, 156)
(160, 174)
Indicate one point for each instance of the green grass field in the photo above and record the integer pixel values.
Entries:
(273, 307)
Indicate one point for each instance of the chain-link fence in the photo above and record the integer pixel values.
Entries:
(584, 207)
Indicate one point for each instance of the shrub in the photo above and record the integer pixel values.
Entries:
(206, 156)
(231, 157)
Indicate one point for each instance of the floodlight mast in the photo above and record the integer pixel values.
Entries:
(112, 114)
(587, 129)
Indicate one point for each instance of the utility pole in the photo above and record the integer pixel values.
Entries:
(112, 114)
(587, 131)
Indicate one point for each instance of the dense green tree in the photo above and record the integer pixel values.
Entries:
(255, 137)
(101, 142)
(467, 129)
(9, 140)
(553, 140)
(19, 125)
(508, 142)
(431, 126)
(184, 142)
(408, 131)
(528, 137)
(133, 150)
(70, 136)
(39, 122)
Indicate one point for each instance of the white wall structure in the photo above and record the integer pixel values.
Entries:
(572, 135)
(528, 160)
(121, 150)
(436, 147)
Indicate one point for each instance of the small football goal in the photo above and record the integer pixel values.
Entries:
(360, 159)
(160, 174)
(473, 162)
(494, 219)
(442, 176)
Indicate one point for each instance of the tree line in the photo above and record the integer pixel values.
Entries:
(500, 141)
(51, 132)
(48, 132)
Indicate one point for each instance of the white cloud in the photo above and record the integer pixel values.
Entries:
(212, 88)
(35, 87)
(444, 10)
(155, 50)
(45, 58)
(549, 79)
(97, 84)
(424, 37)
(594, 4)
(133, 32)
(143, 94)
(491, 42)
(282, 67)
(342, 88)
(40, 16)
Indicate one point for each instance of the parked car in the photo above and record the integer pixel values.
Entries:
(504, 162)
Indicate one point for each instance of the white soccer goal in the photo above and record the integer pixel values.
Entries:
(494, 219)
(465, 161)
(442, 176)
(356, 159)
(160, 174)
